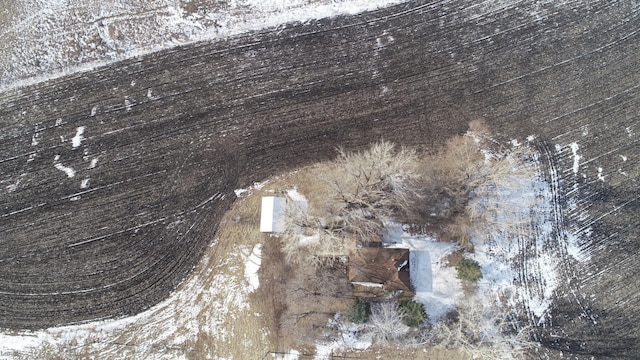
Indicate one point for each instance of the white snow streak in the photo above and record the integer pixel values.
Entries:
(256, 186)
(77, 139)
(66, 169)
(576, 157)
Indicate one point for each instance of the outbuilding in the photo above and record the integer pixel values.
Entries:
(273, 214)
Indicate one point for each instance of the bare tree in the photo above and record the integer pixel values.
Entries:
(309, 239)
(370, 185)
(386, 320)
(363, 188)
(484, 332)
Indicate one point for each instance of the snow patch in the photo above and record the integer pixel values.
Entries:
(128, 105)
(255, 186)
(290, 355)
(16, 342)
(77, 139)
(296, 196)
(585, 130)
(539, 302)
(574, 250)
(251, 268)
(368, 284)
(66, 169)
(350, 336)
(93, 163)
(436, 284)
(13, 187)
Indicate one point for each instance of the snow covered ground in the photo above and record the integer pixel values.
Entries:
(41, 39)
(435, 283)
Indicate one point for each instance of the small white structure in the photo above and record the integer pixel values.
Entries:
(272, 216)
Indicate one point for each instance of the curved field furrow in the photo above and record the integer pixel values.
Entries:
(107, 220)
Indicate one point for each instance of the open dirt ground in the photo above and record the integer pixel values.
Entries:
(114, 179)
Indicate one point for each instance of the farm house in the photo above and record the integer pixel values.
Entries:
(382, 268)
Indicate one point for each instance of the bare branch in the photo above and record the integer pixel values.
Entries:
(386, 319)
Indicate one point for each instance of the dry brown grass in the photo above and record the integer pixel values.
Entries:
(295, 300)
(402, 352)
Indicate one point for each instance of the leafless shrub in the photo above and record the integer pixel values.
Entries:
(386, 320)
(484, 332)
(495, 204)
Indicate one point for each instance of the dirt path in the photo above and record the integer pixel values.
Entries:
(167, 138)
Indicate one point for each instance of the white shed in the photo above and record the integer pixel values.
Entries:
(272, 216)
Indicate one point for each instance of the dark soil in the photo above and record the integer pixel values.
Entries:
(204, 119)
